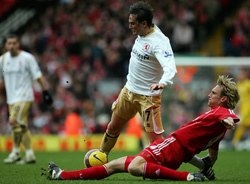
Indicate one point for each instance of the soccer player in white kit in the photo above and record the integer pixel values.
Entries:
(152, 68)
(19, 70)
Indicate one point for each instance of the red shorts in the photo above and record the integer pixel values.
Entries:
(166, 152)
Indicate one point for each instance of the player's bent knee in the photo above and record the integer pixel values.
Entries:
(136, 166)
(134, 170)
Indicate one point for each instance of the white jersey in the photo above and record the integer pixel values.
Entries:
(152, 62)
(19, 72)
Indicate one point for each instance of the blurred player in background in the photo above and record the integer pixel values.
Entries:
(135, 128)
(244, 107)
(161, 158)
(19, 70)
(151, 68)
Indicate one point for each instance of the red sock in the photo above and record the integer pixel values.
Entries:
(127, 162)
(154, 171)
(92, 173)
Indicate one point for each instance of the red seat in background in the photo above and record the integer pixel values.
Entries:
(6, 5)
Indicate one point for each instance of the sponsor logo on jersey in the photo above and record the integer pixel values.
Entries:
(140, 56)
(167, 54)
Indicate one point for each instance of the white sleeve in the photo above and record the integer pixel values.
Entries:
(1, 67)
(165, 56)
(34, 68)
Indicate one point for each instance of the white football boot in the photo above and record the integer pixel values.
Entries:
(195, 177)
(12, 158)
(28, 159)
(54, 171)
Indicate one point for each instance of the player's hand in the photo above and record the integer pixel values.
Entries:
(47, 99)
(156, 87)
(228, 123)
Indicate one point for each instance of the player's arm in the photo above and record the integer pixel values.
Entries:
(1, 73)
(46, 95)
(206, 163)
(42, 83)
(213, 155)
(165, 57)
(166, 79)
(2, 86)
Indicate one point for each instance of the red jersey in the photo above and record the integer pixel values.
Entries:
(206, 131)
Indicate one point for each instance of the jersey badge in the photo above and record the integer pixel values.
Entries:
(146, 47)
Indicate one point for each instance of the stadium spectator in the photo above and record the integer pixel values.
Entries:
(237, 30)
(183, 35)
(135, 128)
(73, 125)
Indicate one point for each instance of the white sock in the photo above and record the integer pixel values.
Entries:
(16, 150)
(29, 152)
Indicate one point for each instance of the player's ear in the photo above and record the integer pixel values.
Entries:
(224, 99)
(144, 23)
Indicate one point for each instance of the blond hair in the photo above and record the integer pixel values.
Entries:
(229, 89)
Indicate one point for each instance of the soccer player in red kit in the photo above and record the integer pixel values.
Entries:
(162, 158)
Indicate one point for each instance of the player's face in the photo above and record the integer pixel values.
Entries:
(12, 45)
(136, 27)
(215, 98)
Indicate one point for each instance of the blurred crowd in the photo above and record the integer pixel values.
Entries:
(236, 40)
(79, 44)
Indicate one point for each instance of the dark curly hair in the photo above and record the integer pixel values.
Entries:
(143, 12)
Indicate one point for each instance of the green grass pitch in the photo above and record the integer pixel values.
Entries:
(231, 167)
